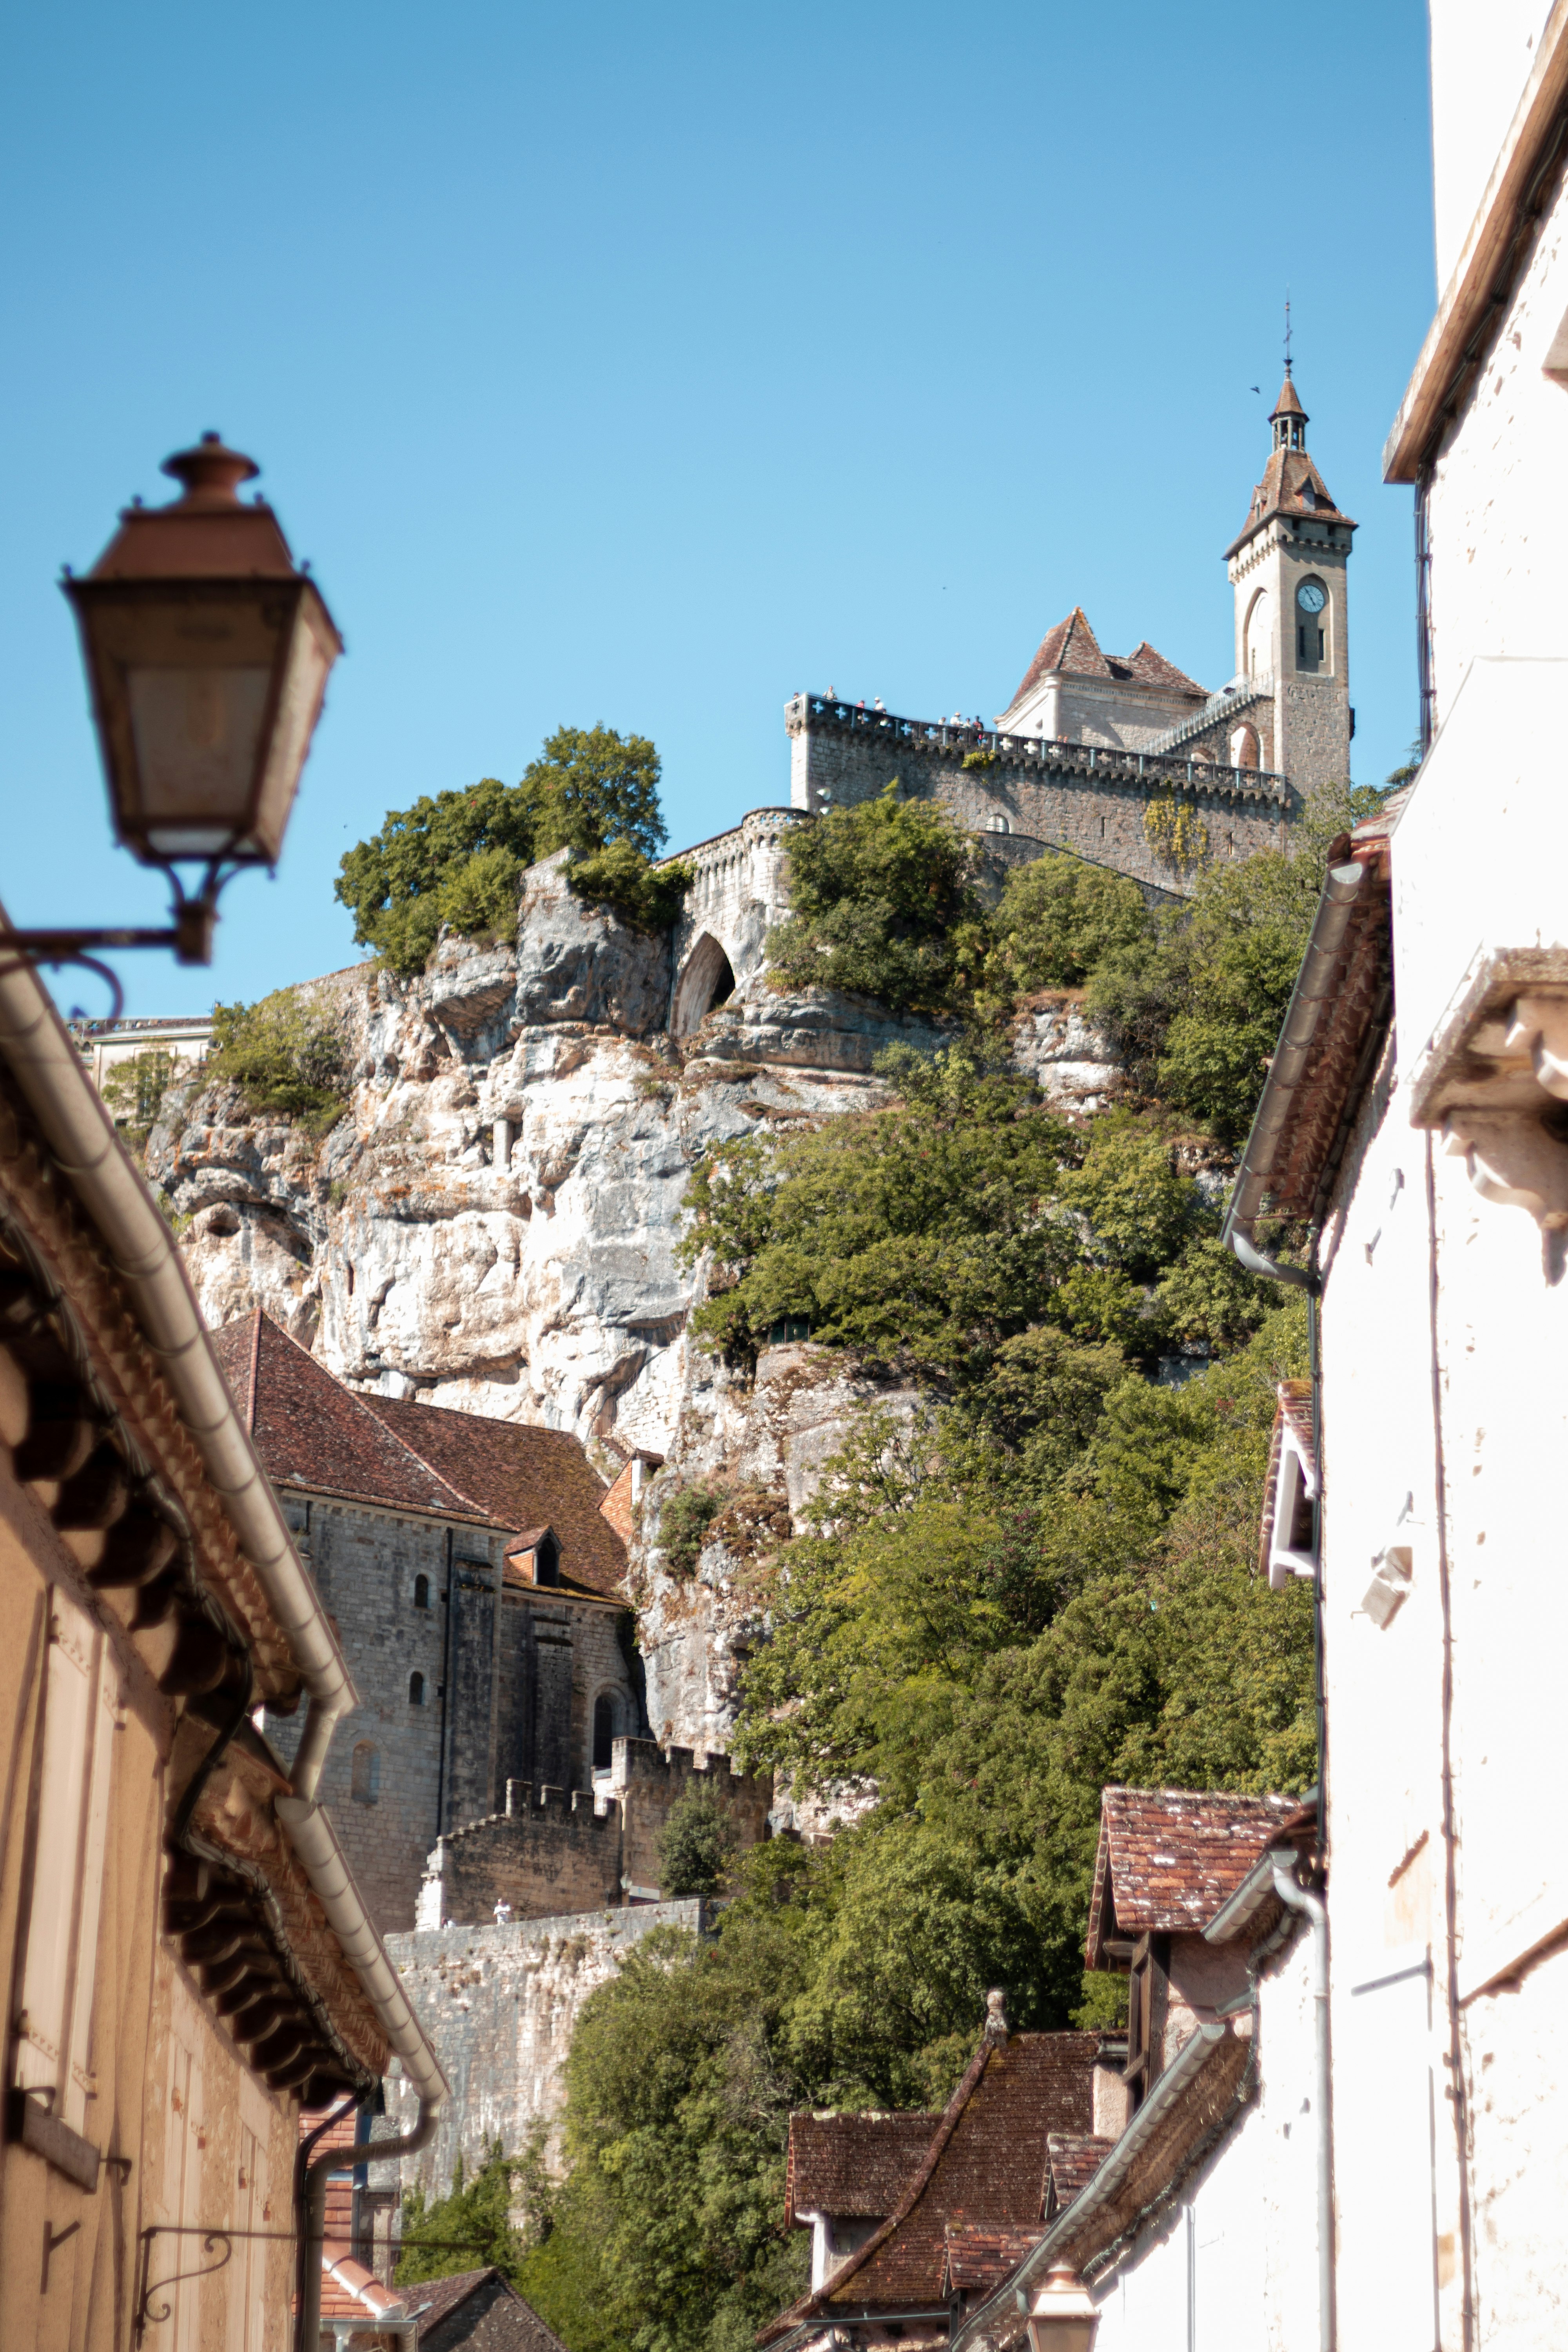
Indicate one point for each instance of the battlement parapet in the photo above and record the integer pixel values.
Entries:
(885, 731)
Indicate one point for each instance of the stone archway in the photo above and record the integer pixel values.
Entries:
(707, 979)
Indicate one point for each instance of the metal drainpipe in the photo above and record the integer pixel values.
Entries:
(1297, 1898)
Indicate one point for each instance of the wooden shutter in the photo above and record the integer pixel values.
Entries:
(64, 1900)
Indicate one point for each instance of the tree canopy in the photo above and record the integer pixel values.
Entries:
(456, 857)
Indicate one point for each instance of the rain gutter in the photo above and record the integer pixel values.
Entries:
(1314, 989)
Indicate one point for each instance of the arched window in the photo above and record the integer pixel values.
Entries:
(998, 824)
(365, 1784)
(603, 1731)
(1243, 752)
(1257, 658)
(422, 1592)
(415, 1690)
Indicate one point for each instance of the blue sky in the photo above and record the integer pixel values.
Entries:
(648, 365)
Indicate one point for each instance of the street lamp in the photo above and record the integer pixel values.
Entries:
(206, 654)
(1062, 2316)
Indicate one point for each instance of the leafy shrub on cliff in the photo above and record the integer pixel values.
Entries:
(683, 1524)
(1058, 919)
(1196, 1002)
(284, 1056)
(696, 1847)
(879, 894)
(456, 857)
(926, 1237)
(135, 1090)
(624, 877)
(467, 2228)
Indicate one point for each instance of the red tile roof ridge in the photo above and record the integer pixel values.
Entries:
(858, 2260)
(1168, 1859)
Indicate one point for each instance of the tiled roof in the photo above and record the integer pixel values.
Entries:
(981, 2258)
(509, 2325)
(1289, 403)
(1291, 485)
(311, 1432)
(1351, 1024)
(854, 2165)
(314, 1434)
(1151, 668)
(1169, 1858)
(985, 2164)
(1071, 644)
(1292, 1413)
(1074, 2159)
(523, 1478)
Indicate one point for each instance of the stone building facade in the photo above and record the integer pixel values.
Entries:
(558, 1850)
(1124, 760)
(476, 1587)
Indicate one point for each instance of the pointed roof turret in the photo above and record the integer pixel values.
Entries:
(1291, 484)
(1288, 416)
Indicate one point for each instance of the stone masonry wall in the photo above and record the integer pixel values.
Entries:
(555, 1850)
(501, 2005)
(551, 1853)
(497, 1702)
(1090, 802)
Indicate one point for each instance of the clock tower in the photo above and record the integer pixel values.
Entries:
(1288, 569)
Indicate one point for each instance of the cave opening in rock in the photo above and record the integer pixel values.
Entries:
(708, 979)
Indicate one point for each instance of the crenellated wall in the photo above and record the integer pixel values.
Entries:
(557, 1850)
(1079, 797)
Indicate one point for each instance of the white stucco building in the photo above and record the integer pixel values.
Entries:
(1416, 1123)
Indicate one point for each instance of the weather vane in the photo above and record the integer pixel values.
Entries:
(1286, 332)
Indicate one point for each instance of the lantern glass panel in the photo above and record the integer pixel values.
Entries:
(312, 652)
(196, 734)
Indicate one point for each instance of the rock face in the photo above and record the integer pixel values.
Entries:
(494, 1222)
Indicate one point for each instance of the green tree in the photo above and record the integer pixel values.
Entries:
(879, 896)
(1058, 919)
(465, 2230)
(284, 1054)
(696, 1847)
(456, 857)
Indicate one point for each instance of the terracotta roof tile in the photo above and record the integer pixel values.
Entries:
(857, 2165)
(1151, 668)
(311, 1431)
(981, 2258)
(985, 2164)
(1351, 1025)
(1289, 403)
(1169, 1858)
(1071, 644)
(1074, 2159)
(522, 1477)
(315, 1434)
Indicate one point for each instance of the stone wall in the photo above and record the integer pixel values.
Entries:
(1061, 795)
(507, 1682)
(555, 1850)
(501, 2005)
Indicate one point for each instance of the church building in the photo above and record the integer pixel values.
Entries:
(1124, 760)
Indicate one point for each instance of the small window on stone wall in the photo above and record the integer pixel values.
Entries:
(364, 1785)
(415, 1690)
(603, 1731)
(422, 1592)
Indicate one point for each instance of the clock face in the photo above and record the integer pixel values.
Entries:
(1311, 597)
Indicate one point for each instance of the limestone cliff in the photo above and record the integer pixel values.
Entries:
(493, 1222)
